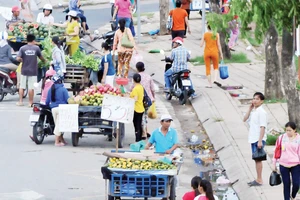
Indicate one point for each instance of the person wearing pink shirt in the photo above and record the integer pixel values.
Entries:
(123, 9)
(46, 85)
(289, 161)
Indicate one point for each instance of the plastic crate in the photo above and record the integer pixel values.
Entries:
(139, 185)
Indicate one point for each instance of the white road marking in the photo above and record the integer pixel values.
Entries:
(25, 195)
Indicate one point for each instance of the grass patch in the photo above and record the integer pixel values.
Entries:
(253, 42)
(235, 58)
(216, 119)
(269, 101)
(148, 14)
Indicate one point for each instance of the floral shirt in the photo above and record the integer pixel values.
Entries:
(148, 83)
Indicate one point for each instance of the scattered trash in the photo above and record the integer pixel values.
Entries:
(153, 32)
(222, 180)
(194, 138)
(154, 51)
(249, 48)
(230, 195)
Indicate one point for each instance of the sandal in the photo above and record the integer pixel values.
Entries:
(217, 83)
(60, 144)
(19, 104)
(254, 183)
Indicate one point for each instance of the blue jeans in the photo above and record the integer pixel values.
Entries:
(128, 21)
(168, 76)
(285, 174)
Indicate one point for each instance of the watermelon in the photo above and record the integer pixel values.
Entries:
(11, 28)
(45, 34)
(35, 26)
(10, 33)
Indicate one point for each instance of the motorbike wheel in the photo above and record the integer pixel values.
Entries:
(2, 93)
(75, 139)
(168, 96)
(38, 133)
(184, 97)
(25, 92)
(112, 10)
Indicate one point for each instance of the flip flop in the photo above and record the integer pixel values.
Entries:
(249, 183)
(255, 183)
(19, 104)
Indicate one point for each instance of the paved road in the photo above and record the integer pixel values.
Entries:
(95, 17)
(46, 172)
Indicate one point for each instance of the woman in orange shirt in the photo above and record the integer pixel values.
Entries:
(211, 54)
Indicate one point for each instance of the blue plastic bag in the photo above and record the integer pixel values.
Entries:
(138, 146)
(223, 71)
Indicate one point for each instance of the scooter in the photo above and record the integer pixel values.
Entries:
(42, 122)
(181, 85)
(8, 83)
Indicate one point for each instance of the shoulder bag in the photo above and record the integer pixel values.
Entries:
(277, 153)
(125, 42)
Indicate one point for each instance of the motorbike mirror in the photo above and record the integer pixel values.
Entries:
(162, 52)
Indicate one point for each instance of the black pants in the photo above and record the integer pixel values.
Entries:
(188, 12)
(177, 34)
(286, 174)
(137, 123)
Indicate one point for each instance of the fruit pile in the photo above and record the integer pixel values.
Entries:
(139, 164)
(93, 96)
(204, 146)
(40, 31)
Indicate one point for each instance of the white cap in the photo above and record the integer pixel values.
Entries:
(72, 13)
(166, 117)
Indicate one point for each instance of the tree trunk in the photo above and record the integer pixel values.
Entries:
(164, 13)
(225, 49)
(289, 77)
(273, 88)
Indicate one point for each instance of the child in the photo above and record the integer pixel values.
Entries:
(195, 182)
(46, 85)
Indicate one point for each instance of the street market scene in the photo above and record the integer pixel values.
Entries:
(142, 99)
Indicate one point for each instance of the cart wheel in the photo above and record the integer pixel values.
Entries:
(121, 135)
(75, 139)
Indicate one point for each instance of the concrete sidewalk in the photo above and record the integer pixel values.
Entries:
(224, 112)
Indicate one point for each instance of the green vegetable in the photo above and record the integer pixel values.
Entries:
(87, 61)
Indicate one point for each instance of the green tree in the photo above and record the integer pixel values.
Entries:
(269, 16)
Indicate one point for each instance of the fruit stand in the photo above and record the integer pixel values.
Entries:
(90, 110)
(134, 175)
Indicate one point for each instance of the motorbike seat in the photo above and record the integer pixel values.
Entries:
(109, 34)
(181, 72)
(4, 69)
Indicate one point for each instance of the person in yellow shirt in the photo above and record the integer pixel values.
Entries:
(72, 32)
(138, 95)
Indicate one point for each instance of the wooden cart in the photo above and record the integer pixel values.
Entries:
(78, 77)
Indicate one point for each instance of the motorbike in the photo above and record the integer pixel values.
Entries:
(181, 85)
(42, 122)
(8, 83)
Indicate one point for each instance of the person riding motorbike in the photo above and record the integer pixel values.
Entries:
(75, 5)
(179, 58)
(45, 17)
(6, 59)
(72, 31)
(57, 95)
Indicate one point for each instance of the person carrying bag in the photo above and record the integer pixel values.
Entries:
(287, 153)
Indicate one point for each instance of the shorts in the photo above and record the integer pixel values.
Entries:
(254, 146)
(28, 81)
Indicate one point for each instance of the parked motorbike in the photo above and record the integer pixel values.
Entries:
(42, 121)
(8, 83)
(181, 85)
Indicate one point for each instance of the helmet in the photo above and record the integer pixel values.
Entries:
(50, 72)
(72, 13)
(3, 35)
(178, 40)
(57, 78)
(47, 7)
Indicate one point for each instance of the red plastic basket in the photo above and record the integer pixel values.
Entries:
(122, 81)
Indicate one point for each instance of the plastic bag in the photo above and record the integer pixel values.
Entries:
(138, 146)
(137, 58)
(275, 179)
(223, 71)
(152, 114)
(259, 155)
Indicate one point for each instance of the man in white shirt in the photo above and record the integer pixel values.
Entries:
(257, 119)
(45, 17)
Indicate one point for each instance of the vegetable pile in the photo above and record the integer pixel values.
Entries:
(46, 52)
(93, 96)
(40, 31)
(87, 61)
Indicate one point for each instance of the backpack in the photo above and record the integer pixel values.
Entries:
(146, 100)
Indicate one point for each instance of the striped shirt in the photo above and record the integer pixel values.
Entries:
(180, 56)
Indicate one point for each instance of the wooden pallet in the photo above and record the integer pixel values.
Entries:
(78, 76)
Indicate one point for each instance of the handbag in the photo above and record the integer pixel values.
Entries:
(125, 42)
(275, 179)
(223, 70)
(259, 155)
(277, 153)
(146, 100)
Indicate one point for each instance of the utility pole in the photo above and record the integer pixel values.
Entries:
(203, 17)
(164, 13)
(298, 50)
(139, 20)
